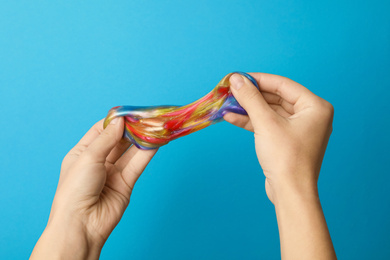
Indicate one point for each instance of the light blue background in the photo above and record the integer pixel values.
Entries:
(63, 64)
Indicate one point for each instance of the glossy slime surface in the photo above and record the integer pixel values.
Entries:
(154, 126)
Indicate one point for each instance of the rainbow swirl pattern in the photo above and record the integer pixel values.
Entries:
(154, 126)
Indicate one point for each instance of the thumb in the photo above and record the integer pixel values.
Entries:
(100, 148)
(250, 98)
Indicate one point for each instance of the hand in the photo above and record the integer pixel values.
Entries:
(291, 127)
(96, 181)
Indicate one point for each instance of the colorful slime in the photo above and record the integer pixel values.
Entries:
(154, 126)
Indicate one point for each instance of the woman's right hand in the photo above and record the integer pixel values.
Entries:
(291, 127)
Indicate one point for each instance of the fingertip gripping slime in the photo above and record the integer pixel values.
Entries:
(150, 127)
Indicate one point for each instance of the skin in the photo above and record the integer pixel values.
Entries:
(96, 180)
(291, 127)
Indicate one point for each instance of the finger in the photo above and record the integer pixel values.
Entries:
(118, 151)
(136, 164)
(121, 163)
(288, 89)
(88, 138)
(101, 147)
(242, 121)
(278, 100)
(280, 110)
(250, 98)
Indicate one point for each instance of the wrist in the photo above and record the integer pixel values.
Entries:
(301, 221)
(65, 240)
(291, 188)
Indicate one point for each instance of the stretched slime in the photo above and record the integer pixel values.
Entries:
(150, 127)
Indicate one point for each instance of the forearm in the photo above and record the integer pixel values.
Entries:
(302, 226)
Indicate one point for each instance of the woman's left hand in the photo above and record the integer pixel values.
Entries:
(96, 181)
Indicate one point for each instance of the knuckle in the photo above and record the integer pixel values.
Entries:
(324, 108)
(330, 107)
(110, 134)
(280, 100)
(327, 109)
(252, 96)
(88, 156)
(283, 83)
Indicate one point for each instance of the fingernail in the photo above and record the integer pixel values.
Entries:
(113, 121)
(237, 81)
